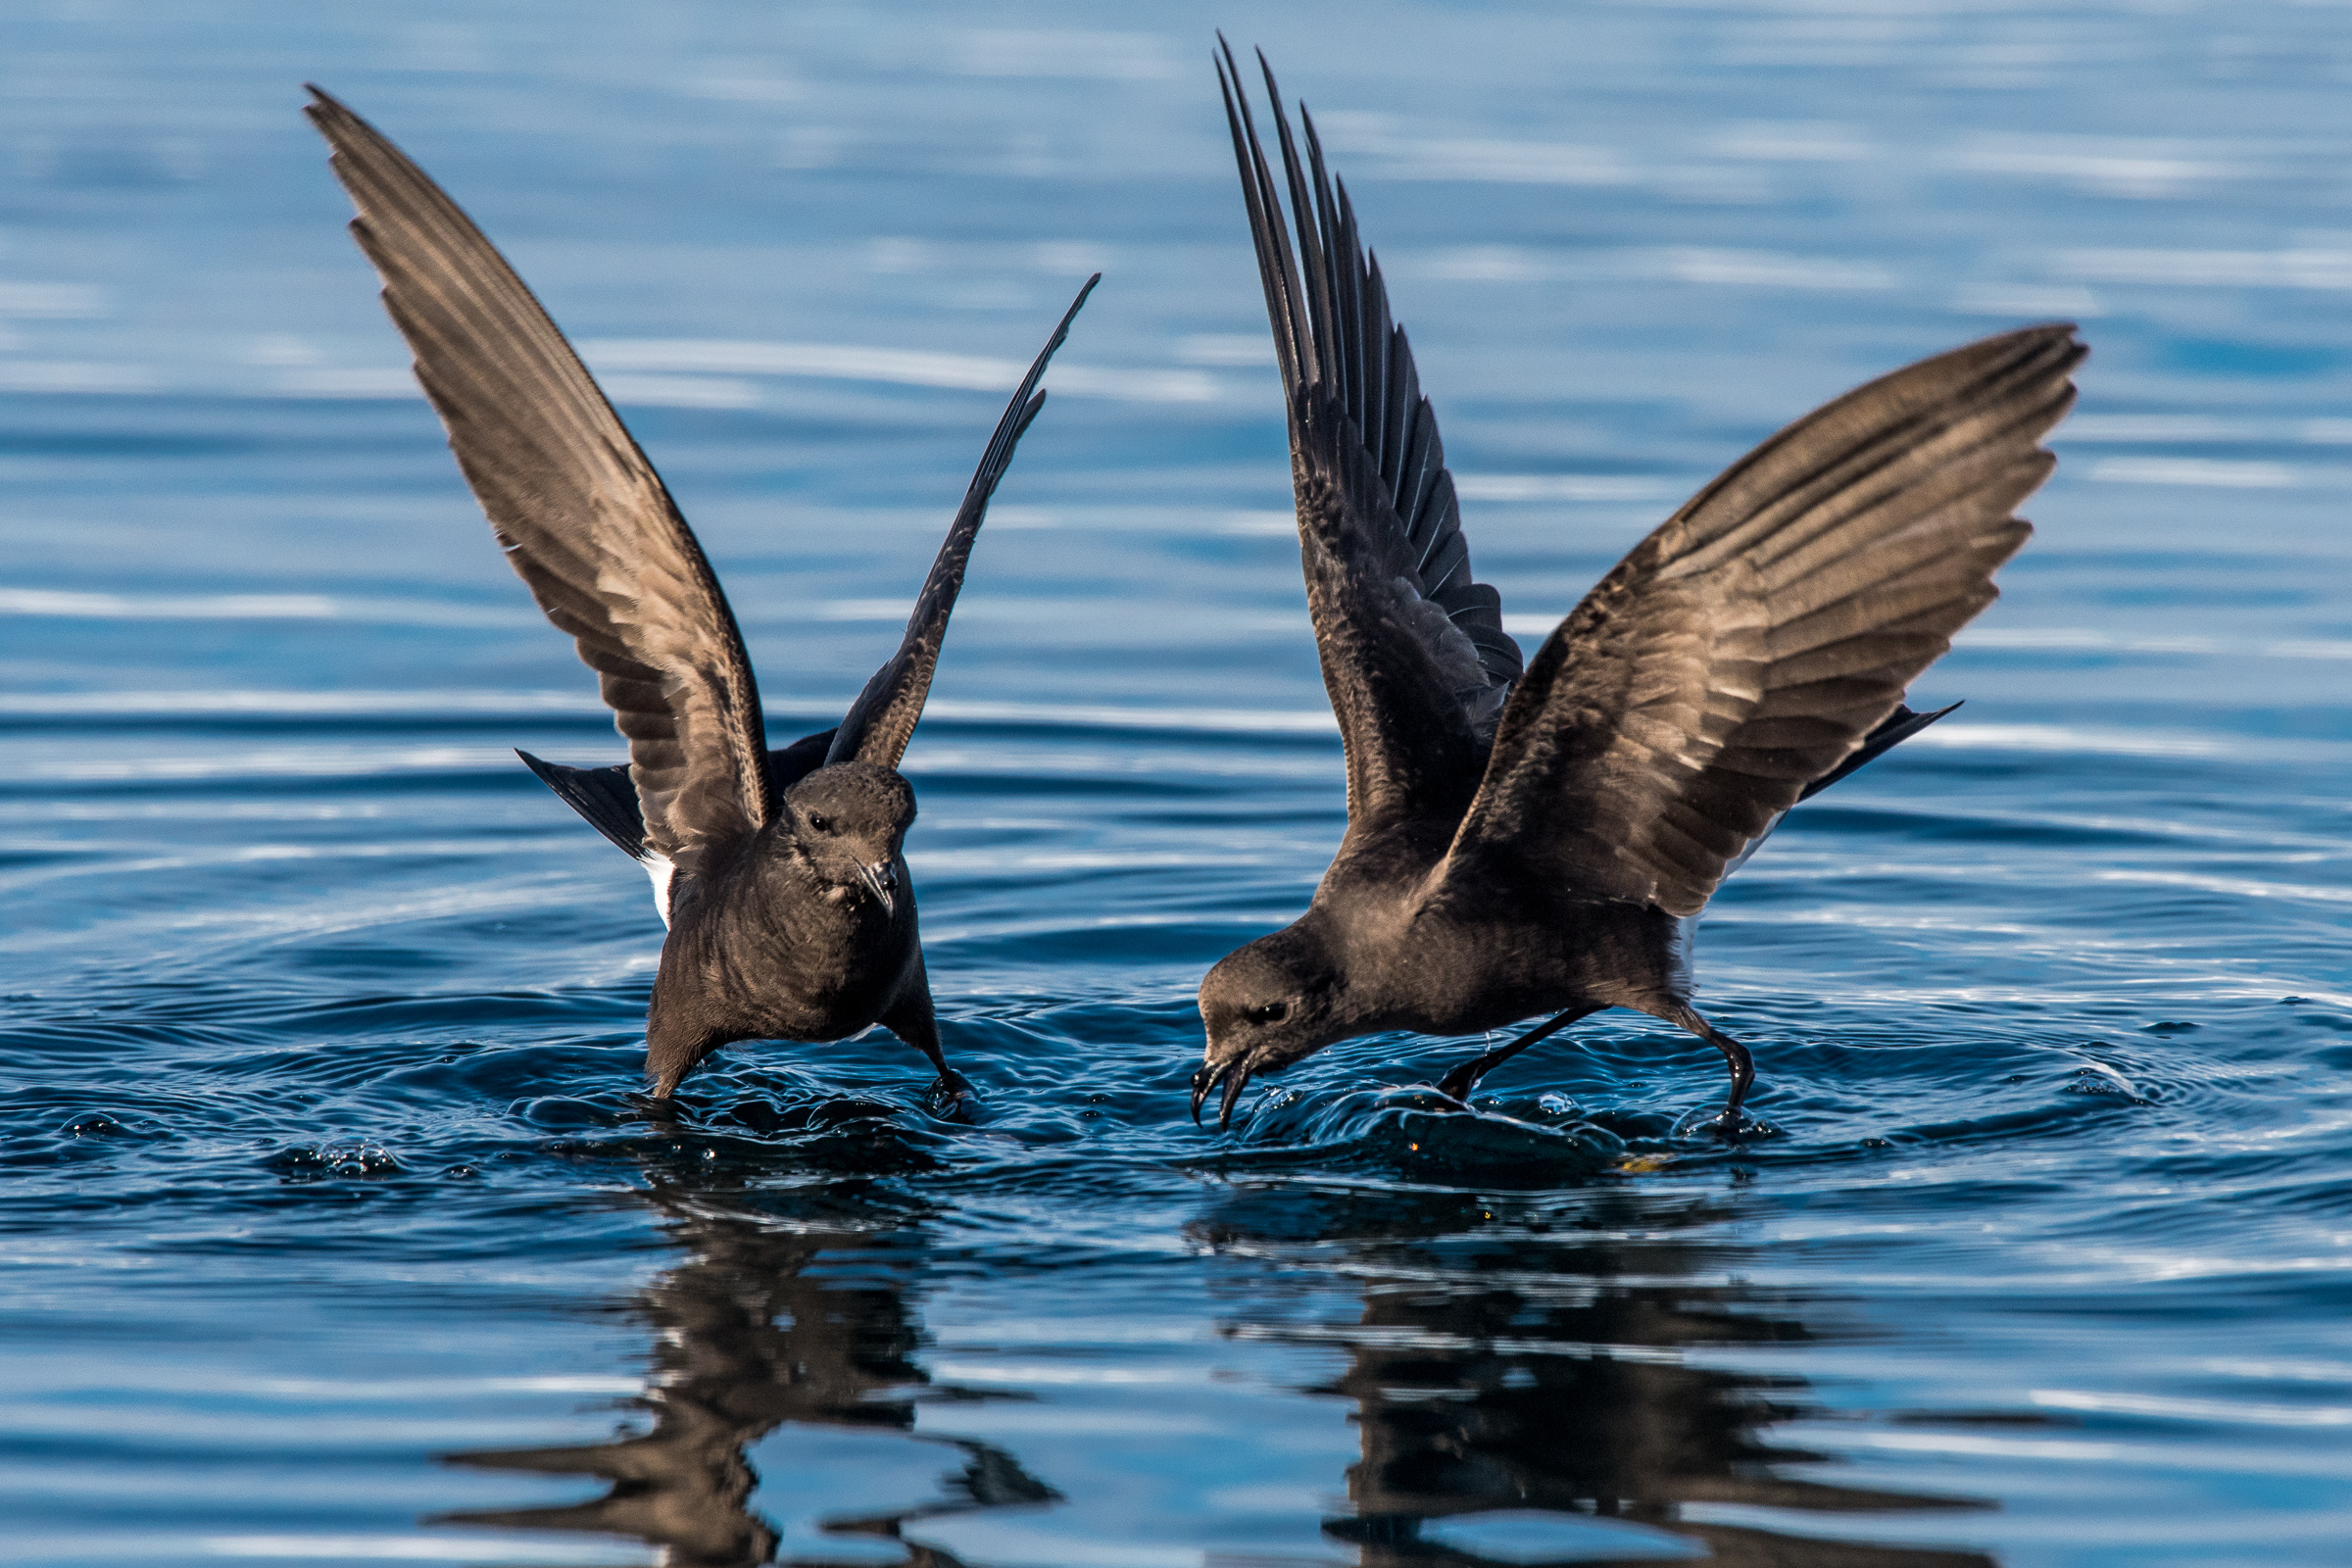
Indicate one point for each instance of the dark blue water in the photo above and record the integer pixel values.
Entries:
(330, 1233)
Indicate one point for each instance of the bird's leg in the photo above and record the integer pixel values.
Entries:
(1731, 1123)
(951, 1088)
(915, 1025)
(1459, 1082)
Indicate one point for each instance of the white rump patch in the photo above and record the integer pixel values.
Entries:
(1681, 970)
(657, 867)
(1753, 845)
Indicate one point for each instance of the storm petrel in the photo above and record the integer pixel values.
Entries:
(780, 874)
(1538, 841)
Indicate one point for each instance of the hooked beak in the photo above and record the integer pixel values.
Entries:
(1234, 1073)
(881, 879)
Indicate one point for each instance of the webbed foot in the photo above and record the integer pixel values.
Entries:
(1457, 1084)
(1730, 1125)
(658, 1108)
(950, 1095)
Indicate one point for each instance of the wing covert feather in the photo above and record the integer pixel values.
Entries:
(1757, 638)
(582, 516)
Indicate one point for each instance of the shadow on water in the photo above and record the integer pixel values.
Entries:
(793, 1307)
(1525, 1359)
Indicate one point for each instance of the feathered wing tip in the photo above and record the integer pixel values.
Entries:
(1021, 409)
(882, 720)
(1337, 344)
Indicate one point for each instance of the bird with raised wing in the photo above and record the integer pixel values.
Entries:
(1537, 842)
(780, 874)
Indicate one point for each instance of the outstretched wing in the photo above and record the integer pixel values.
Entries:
(882, 720)
(579, 510)
(1751, 643)
(1414, 654)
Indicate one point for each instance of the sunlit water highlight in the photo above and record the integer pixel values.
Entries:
(332, 1232)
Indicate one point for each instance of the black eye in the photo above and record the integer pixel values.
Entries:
(820, 823)
(1271, 1012)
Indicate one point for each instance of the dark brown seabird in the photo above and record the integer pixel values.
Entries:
(1540, 842)
(779, 874)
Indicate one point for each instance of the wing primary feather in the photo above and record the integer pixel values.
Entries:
(1416, 663)
(1405, 397)
(1346, 304)
(1367, 346)
(582, 515)
(882, 720)
(1277, 274)
(1026, 401)
(1323, 327)
(1424, 459)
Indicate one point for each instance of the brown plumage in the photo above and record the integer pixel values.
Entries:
(1537, 841)
(777, 872)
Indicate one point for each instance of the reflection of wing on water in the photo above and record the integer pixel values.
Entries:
(759, 1328)
(1541, 1367)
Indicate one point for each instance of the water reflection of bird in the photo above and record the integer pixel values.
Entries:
(779, 874)
(1521, 1354)
(1539, 842)
(761, 1326)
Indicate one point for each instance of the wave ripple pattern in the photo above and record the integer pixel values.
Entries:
(332, 1233)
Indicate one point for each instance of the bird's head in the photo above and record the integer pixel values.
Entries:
(848, 823)
(1275, 1001)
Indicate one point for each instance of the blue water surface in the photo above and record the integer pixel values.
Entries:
(333, 1231)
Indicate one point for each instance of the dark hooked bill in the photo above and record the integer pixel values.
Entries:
(1234, 1072)
(882, 880)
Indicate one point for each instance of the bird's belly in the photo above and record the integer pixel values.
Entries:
(1461, 976)
(788, 1003)
(811, 980)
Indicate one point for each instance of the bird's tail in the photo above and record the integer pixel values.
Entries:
(1898, 727)
(603, 795)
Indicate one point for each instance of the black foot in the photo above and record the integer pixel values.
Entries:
(1728, 1125)
(951, 1094)
(1457, 1084)
(659, 1108)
